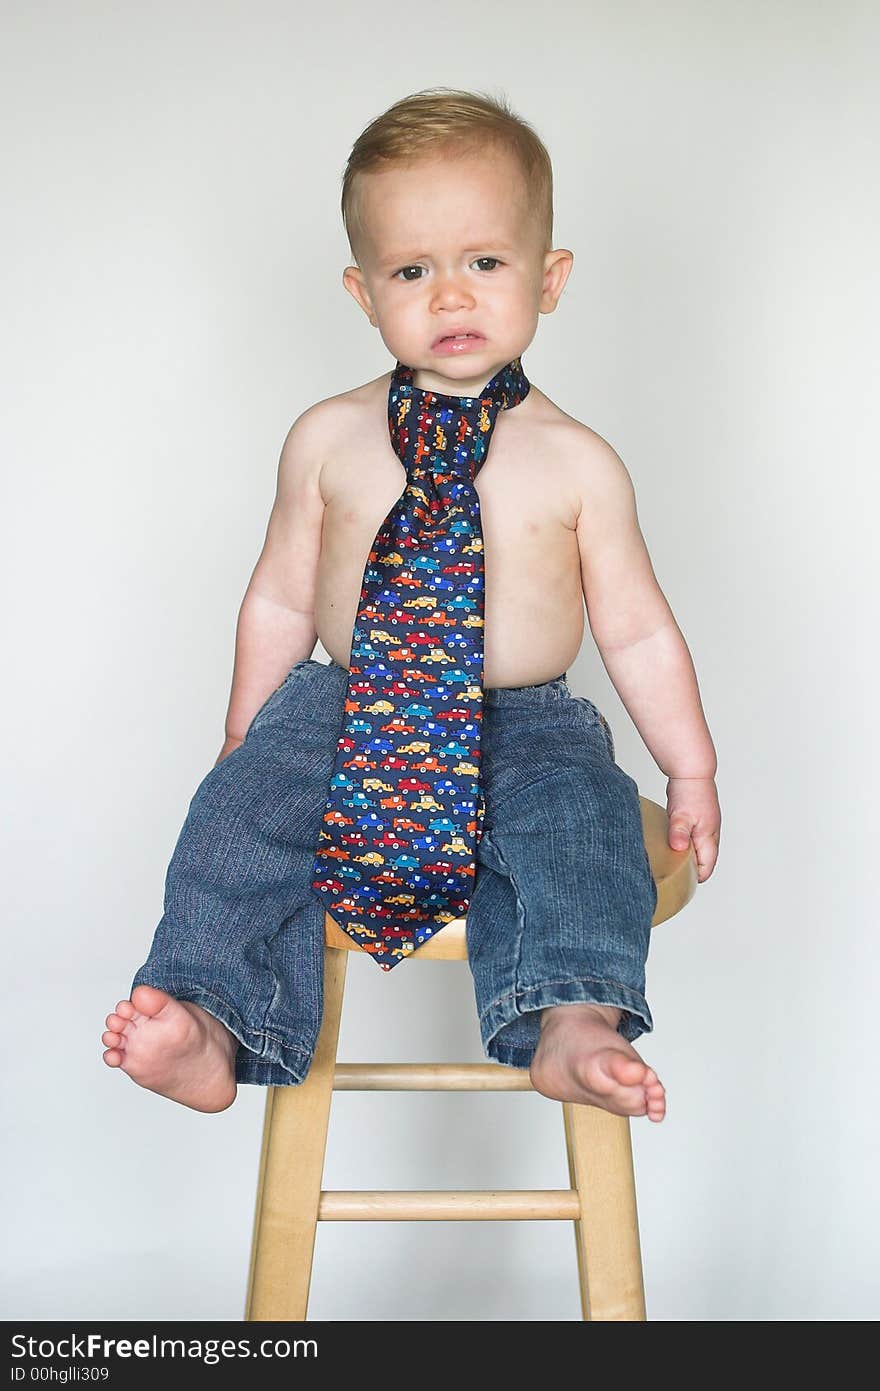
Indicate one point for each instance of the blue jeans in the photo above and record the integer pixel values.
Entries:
(563, 894)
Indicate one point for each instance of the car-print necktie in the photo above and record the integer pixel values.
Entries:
(396, 853)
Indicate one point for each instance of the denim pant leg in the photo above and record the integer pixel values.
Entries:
(242, 933)
(563, 894)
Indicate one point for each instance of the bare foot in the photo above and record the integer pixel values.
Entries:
(173, 1047)
(581, 1057)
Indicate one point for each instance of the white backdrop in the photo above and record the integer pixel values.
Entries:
(172, 301)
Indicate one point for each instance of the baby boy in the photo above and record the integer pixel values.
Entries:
(447, 202)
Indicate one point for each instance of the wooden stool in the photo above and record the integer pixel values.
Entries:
(601, 1201)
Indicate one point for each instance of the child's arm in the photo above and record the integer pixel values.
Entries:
(276, 621)
(644, 651)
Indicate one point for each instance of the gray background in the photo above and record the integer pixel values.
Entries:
(172, 301)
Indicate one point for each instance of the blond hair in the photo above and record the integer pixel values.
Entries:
(444, 121)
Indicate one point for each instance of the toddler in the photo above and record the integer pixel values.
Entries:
(447, 202)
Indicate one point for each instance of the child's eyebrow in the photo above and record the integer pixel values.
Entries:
(408, 260)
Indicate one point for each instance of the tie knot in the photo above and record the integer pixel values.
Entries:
(436, 431)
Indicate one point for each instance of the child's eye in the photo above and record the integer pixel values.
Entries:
(480, 261)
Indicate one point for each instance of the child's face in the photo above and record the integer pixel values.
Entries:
(452, 245)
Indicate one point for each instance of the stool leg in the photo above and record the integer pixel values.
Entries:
(609, 1257)
(291, 1171)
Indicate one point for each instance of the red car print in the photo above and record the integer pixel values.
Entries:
(413, 785)
(396, 726)
(464, 567)
(420, 639)
(356, 839)
(392, 762)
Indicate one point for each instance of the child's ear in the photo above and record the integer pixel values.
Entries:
(353, 280)
(557, 269)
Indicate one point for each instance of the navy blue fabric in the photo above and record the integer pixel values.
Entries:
(396, 852)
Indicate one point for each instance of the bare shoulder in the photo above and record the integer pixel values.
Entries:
(317, 433)
(599, 480)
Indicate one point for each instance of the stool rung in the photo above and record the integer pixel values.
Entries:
(448, 1205)
(430, 1077)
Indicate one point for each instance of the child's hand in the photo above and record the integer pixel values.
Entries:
(694, 814)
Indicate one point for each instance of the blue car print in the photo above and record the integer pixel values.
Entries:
(425, 843)
(442, 826)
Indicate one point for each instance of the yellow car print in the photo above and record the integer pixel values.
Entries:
(455, 846)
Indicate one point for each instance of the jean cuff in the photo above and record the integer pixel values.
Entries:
(262, 1058)
(510, 1027)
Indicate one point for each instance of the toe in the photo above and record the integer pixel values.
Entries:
(148, 1000)
(113, 1057)
(111, 1038)
(116, 1022)
(125, 1009)
(628, 1071)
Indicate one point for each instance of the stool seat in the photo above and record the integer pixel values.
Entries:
(674, 871)
(601, 1202)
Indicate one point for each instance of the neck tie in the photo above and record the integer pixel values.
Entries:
(396, 852)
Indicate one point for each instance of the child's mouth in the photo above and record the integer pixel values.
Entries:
(457, 342)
